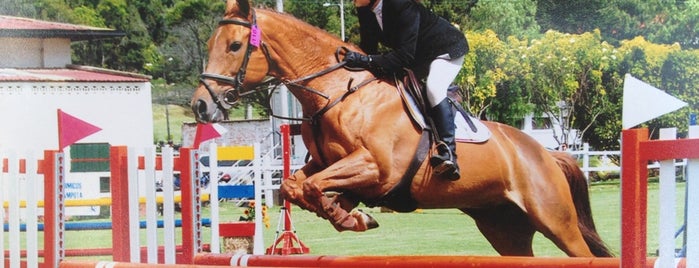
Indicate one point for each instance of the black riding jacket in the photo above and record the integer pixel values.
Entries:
(415, 36)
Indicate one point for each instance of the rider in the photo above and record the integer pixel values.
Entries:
(423, 42)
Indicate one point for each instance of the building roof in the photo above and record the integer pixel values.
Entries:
(31, 28)
(72, 73)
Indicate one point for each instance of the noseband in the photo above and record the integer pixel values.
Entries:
(232, 95)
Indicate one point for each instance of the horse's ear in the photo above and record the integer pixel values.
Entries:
(244, 6)
(238, 7)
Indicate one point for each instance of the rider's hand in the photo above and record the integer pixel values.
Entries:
(357, 60)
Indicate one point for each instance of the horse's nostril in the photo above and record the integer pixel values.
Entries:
(201, 111)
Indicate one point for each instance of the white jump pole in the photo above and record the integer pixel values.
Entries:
(13, 209)
(258, 239)
(666, 256)
(2, 208)
(31, 211)
(168, 205)
(151, 206)
(693, 206)
(134, 225)
(213, 198)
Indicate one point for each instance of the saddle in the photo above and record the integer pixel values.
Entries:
(468, 129)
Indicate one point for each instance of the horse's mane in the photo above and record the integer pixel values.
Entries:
(291, 21)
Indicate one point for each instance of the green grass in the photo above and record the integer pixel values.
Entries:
(449, 232)
(426, 232)
(177, 114)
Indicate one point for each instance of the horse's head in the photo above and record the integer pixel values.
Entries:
(237, 62)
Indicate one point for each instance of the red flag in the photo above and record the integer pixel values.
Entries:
(204, 133)
(72, 129)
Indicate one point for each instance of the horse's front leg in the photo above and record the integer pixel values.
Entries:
(321, 191)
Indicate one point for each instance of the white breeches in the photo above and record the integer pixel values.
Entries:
(443, 70)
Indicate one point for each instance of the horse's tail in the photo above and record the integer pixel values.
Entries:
(581, 199)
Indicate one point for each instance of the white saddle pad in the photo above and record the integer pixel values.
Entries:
(464, 133)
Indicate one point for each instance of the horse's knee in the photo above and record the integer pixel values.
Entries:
(289, 190)
(311, 189)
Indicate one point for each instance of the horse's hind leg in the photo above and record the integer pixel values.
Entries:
(506, 227)
(558, 222)
(552, 212)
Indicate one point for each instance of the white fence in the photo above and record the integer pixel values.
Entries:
(605, 164)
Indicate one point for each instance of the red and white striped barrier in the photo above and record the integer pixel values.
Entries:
(108, 264)
(637, 150)
(408, 261)
(130, 169)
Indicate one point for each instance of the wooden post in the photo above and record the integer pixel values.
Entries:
(634, 199)
(119, 188)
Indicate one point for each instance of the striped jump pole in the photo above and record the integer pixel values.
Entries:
(54, 208)
(125, 166)
(408, 261)
(637, 150)
(53, 169)
(109, 264)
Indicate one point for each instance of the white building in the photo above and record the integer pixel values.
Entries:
(546, 131)
(37, 78)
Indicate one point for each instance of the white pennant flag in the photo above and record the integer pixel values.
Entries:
(643, 102)
(220, 129)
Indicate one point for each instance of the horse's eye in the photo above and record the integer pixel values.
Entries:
(235, 46)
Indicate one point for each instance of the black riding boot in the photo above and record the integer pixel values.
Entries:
(444, 162)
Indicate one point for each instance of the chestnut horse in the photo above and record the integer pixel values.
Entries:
(363, 143)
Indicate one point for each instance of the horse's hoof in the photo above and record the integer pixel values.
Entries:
(371, 223)
(365, 221)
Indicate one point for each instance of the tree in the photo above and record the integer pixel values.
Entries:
(482, 72)
(152, 13)
(679, 77)
(506, 18)
(659, 21)
(456, 12)
(132, 51)
(19, 8)
(191, 23)
(568, 72)
(513, 99)
(574, 16)
(686, 25)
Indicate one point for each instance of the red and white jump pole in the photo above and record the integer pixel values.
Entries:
(124, 166)
(290, 243)
(54, 208)
(637, 150)
(408, 261)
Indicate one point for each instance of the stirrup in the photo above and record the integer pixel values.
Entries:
(444, 163)
(448, 170)
(443, 154)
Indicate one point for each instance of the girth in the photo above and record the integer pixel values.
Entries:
(399, 197)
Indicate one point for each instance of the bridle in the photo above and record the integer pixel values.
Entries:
(230, 96)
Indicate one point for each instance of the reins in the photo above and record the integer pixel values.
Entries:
(313, 119)
(231, 96)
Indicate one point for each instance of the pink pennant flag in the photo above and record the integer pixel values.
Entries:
(72, 129)
(204, 133)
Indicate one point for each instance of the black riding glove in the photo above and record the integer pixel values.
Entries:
(356, 60)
